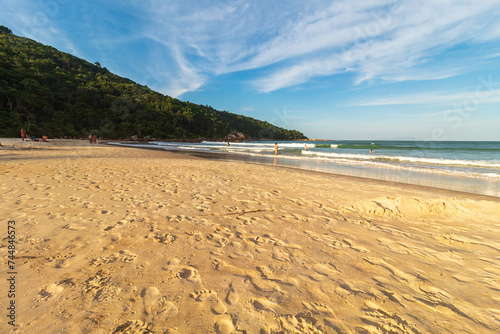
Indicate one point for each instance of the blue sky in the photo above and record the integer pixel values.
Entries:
(373, 69)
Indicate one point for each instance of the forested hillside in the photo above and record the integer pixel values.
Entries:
(53, 93)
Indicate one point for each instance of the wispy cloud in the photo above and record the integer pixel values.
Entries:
(36, 20)
(385, 39)
(482, 94)
(246, 109)
(395, 42)
(289, 43)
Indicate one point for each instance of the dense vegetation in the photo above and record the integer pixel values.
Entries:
(53, 93)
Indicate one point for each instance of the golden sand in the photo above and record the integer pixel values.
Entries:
(122, 240)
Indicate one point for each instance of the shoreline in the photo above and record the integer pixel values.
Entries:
(110, 239)
(234, 157)
(443, 181)
(351, 177)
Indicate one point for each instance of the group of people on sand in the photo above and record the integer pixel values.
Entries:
(32, 138)
(92, 139)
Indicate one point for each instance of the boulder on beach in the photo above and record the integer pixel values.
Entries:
(237, 136)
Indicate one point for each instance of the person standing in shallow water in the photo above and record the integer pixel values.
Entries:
(275, 148)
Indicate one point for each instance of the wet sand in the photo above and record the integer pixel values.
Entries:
(123, 240)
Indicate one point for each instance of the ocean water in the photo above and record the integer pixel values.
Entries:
(456, 165)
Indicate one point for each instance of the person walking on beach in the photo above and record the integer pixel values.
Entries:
(90, 138)
(94, 139)
(23, 134)
(275, 148)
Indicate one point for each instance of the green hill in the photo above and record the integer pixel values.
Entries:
(53, 93)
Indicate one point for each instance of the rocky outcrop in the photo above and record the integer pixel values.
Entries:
(236, 136)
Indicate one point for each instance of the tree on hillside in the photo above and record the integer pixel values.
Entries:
(5, 30)
(55, 94)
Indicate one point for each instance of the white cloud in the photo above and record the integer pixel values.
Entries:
(246, 109)
(483, 94)
(290, 43)
(190, 78)
(387, 40)
(396, 48)
(37, 21)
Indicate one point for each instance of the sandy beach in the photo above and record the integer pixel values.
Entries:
(123, 240)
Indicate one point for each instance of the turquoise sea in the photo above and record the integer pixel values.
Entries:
(457, 165)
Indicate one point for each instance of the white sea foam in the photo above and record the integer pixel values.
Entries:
(471, 163)
(260, 144)
(462, 168)
(470, 169)
(384, 165)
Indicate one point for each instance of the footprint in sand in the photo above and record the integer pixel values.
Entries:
(221, 265)
(198, 235)
(100, 287)
(258, 240)
(61, 261)
(224, 326)
(67, 283)
(385, 321)
(318, 308)
(266, 272)
(264, 285)
(387, 293)
(202, 208)
(299, 324)
(203, 295)
(281, 254)
(73, 227)
(264, 304)
(232, 297)
(216, 305)
(178, 219)
(156, 304)
(231, 208)
(125, 256)
(112, 227)
(223, 229)
(49, 292)
(217, 239)
(190, 274)
(164, 238)
(328, 270)
(133, 327)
